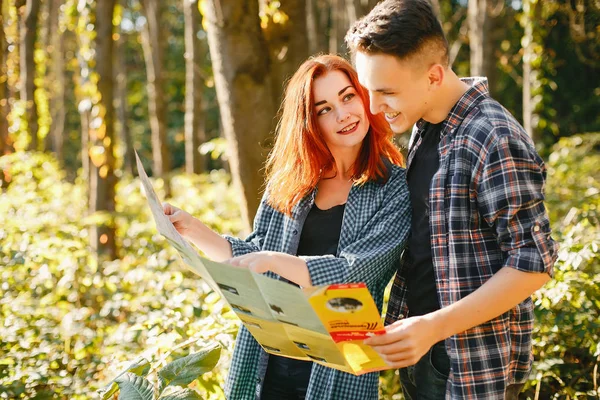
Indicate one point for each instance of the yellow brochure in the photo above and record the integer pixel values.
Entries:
(350, 315)
(324, 324)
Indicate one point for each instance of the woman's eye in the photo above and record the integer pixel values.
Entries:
(323, 111)
(349, 96)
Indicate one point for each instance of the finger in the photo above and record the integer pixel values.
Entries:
(240, 261)
(391, 336)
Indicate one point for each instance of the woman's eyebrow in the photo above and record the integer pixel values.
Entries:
(339, 94)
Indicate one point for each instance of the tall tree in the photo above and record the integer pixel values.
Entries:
(121, 100)
(195, 133)
(57, 80)
(317, 19)
(338, 26)
(29, 21)
(102, 178)
(481, 27)
(3, 89)
(153, 43)
(241, 68)
(531, 14)
(287, 43)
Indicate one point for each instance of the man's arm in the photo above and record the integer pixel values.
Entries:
(510, 196)
(406, 341)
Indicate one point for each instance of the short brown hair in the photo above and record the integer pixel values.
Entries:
(402, 28)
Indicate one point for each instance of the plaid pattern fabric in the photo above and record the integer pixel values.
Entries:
(375, 227)
(486, 212)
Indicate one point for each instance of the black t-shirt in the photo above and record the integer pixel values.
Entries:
(287, 378)
(420, 278)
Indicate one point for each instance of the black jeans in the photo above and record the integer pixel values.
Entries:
(286, 379)
(427, 379)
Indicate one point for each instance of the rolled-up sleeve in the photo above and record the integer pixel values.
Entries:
(510, 195)
(378, 247)
(255, 241)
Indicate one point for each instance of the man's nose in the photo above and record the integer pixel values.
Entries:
(374, 103)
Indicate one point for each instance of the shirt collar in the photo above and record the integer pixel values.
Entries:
(477, 91)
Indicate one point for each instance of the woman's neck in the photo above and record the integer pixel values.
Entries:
(344, 161)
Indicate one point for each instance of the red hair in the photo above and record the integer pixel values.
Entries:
(300, 153)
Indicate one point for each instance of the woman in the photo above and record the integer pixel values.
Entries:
(335, 210)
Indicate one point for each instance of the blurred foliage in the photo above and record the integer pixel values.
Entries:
(567, 333)
(69, 323)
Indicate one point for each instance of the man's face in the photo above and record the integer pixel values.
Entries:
(400, 89)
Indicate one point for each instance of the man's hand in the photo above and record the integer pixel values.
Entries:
(405, 341)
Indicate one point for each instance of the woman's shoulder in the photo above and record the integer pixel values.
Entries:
(394, 175)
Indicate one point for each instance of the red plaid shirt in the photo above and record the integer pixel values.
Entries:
(486, 212)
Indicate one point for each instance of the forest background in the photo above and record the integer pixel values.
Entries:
(87, 285)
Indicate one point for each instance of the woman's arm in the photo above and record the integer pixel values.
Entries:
(290, 267)
(367, 259)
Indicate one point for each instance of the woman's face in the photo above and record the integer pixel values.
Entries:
(340, 112)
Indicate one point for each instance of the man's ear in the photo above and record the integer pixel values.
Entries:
(436, 75)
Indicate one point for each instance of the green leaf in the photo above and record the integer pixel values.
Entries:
(134, 387)
(140, 367)
(185, 370)
(182, 394)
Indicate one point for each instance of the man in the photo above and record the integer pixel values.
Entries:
(460, 315)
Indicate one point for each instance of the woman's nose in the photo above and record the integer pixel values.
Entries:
(342, 115)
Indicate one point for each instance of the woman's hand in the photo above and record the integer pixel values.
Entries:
(181, 220)
(290, 267)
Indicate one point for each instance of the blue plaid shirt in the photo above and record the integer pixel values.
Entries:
(375, 227)
(486, 212)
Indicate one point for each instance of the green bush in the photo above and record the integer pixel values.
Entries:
(70, 323)
(567, 333)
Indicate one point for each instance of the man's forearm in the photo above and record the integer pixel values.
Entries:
(503, 291)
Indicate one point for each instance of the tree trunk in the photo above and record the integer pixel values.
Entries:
(195, 119)
(102, 182)
(153, 46)
(316, 26)
(483, 61)
(531, 12)
(121, 103)
(435, 4)
(28, 36)
(3, 91)
(338, 26)
(241, 68)
(3, 98)
(290, 47)
(58, 82)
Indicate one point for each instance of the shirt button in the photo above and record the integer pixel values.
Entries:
(536, 228)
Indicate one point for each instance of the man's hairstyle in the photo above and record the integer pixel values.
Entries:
(402, 28)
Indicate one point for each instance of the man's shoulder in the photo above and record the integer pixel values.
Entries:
(487, 123)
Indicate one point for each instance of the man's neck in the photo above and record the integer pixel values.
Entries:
(447, 96)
